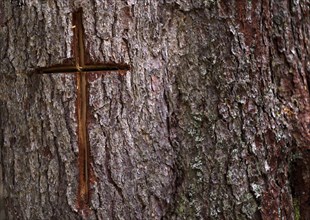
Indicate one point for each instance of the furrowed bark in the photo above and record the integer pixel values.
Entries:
(211, 121)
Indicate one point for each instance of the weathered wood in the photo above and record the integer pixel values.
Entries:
(208, 123)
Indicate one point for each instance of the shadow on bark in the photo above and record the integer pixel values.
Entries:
(300, 184)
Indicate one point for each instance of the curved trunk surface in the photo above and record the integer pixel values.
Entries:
(211, 121)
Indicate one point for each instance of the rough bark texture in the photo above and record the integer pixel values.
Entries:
(211, 122)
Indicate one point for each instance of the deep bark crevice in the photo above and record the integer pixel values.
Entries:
(300, 182)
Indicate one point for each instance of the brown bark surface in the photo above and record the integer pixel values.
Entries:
(211, 122)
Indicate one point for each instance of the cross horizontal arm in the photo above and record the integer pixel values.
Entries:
(86, 68)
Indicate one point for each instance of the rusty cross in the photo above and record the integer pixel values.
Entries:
(81, 69)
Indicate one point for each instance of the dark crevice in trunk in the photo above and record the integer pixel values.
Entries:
(2, 115)
(300, 184)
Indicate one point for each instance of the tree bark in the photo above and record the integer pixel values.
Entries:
(211, 122)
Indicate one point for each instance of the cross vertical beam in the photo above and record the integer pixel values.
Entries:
(82, 70)
(83, 136)
(82, 101)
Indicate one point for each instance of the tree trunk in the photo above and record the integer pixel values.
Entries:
(210, 122)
